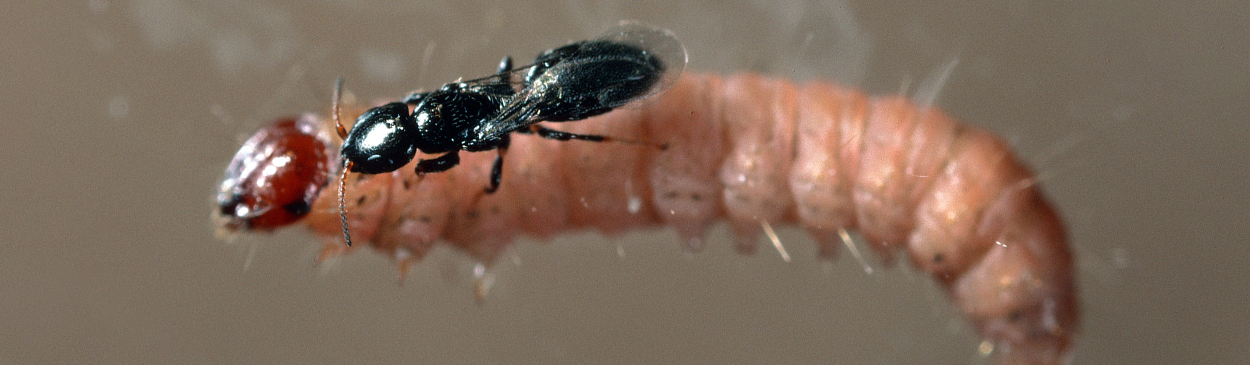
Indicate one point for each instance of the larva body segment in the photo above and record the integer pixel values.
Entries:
(752, 150)
(686, 183)
(826, 161)
(759, 119)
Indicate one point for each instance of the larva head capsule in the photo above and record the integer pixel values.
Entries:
(274, 178)
(381, 141)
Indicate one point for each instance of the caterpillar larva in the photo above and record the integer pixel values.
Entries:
(746, 149)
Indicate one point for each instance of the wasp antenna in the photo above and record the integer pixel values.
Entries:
(338, 90)
(347, 166)
(656, 145)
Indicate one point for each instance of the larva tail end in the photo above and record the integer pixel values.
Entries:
(1022, 294)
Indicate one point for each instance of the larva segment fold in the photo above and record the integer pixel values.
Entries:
(685, 182)
(882, 186)
(759, 120)
(819, 180)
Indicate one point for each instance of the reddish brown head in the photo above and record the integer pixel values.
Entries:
(274, 178)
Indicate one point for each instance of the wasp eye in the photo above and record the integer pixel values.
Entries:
(382, 140)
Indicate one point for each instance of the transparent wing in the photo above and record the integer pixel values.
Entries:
(659, 42)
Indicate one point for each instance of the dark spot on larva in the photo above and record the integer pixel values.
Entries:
(424, 219)
(472, 214)
(494, 209)
(1015, 316)
(407, 185)
(938, 258)
(361, 200)
(298, 208)
(231, 203)
(670, 195)
(696, 197)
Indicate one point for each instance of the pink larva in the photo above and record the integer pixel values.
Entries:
(752, 150)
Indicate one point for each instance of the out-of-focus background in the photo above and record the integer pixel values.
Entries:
(119, 117)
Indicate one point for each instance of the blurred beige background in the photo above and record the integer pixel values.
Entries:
(120, 115)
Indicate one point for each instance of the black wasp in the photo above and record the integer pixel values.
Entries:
(629, 62)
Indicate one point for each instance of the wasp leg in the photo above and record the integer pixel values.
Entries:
(438, 164)
(549, 133)
(496, 171)
(562, 136)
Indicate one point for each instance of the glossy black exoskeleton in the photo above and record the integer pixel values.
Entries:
(569, 83)
(387, 137)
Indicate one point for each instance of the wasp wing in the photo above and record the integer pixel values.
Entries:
(629, 62)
